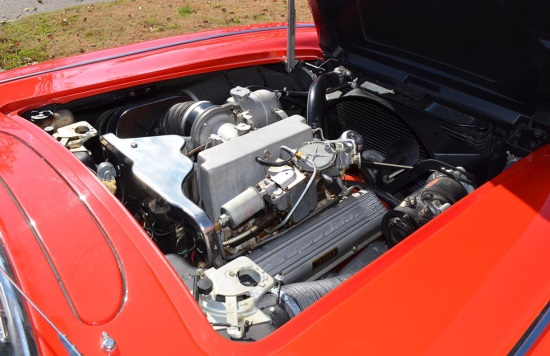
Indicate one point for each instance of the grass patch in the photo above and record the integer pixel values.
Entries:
(25, 43)
(259, 17)
(153, 25)
(185, 10)
(13, 55)
(86, 28)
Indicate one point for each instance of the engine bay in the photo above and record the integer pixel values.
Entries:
(266, 189)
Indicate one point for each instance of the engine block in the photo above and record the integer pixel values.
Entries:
(226, 170)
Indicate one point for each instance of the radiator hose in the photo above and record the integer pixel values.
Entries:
(316, 98)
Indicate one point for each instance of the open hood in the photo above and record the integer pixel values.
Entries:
(496, 51)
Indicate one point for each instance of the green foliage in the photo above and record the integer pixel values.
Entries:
(71, 31)
(154, 25)
(15, 35)
(185, 10)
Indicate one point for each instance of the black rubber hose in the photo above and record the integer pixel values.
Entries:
(298, 296)
(273, 164)
(381, 194)
(316, 98)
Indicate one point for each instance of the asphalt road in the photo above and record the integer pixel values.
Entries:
(13, 9)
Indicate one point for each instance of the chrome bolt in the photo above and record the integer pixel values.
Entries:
(108, 344)
(134, 145)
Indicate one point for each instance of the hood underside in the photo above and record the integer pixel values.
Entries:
(496, 50)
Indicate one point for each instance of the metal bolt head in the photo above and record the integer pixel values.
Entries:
(425, 213)
(50, 130)
(108, 344)
(134, 145)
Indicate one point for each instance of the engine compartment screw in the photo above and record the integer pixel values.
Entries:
(108, 344)
(410, 202)
(425, 213)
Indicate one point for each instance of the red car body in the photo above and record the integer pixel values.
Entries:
(88, 265)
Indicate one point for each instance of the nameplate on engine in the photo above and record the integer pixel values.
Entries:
(318, 262)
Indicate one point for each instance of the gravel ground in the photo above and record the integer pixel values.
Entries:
(13, 9)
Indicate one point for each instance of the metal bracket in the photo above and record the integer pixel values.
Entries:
(233, 302)
(75, 135)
